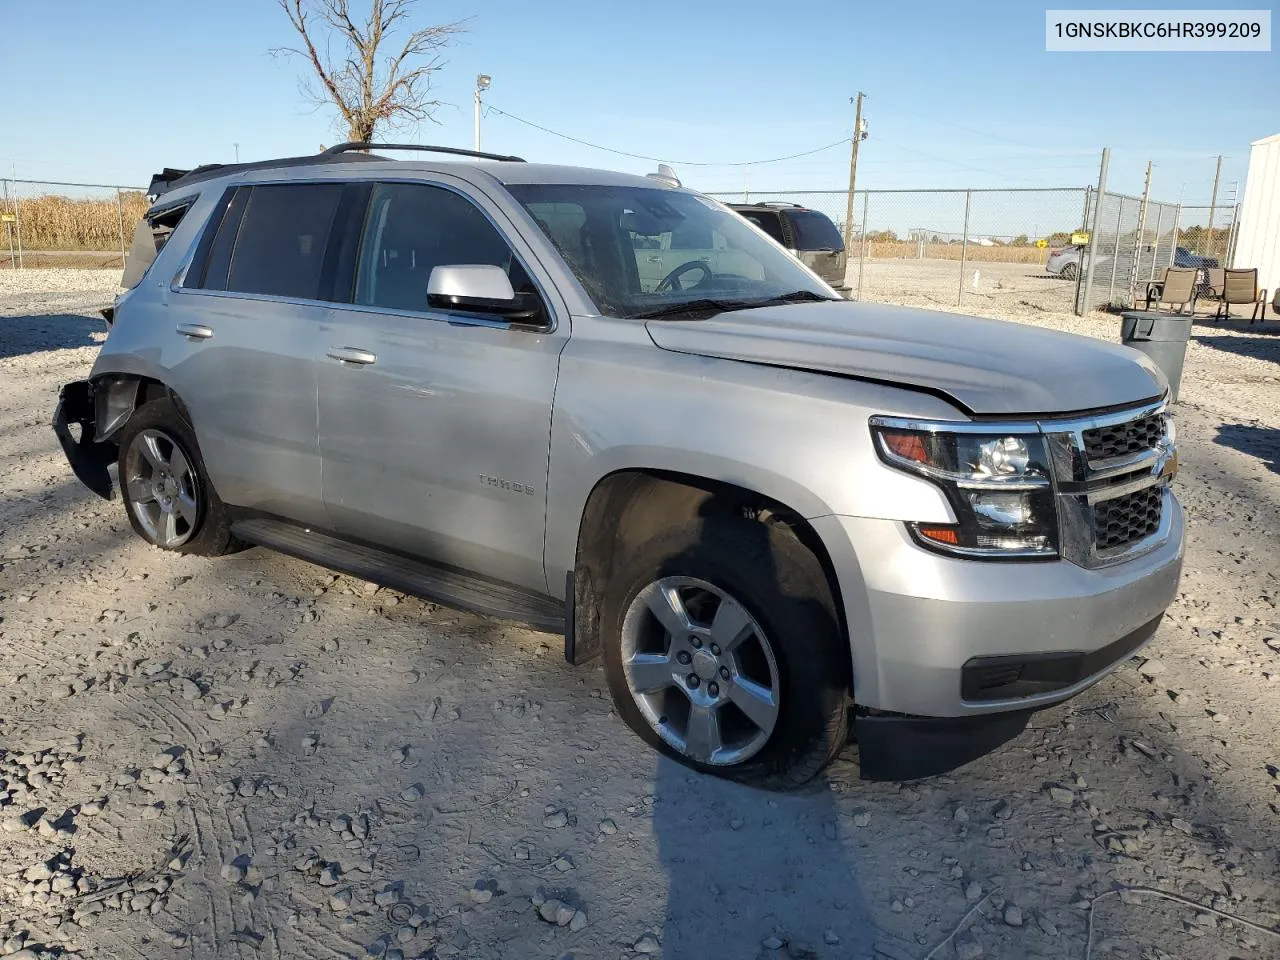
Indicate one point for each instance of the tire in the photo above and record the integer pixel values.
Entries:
(157, 435)
(1069, 271)
(786, 609)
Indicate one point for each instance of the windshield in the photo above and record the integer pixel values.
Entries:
(814, 231)
(642, 251)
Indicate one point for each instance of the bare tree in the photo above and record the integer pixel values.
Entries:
(375, 78)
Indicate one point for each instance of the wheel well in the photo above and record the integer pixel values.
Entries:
(119, 395)
(628, 508)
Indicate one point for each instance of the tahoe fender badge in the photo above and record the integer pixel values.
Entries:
(502, 484)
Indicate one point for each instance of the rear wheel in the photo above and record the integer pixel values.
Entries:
(723, 649)
(1069, 271)
(167, 495)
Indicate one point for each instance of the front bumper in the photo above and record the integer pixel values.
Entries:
(89, 457)
(917, 619)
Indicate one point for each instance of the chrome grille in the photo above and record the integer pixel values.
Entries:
(1111, 472)
(1122, 439)
(1121, 521)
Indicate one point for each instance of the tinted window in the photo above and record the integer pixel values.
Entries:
(814, 231)
(217, 259)
(280, 247)
(770, 223)
(410, 229)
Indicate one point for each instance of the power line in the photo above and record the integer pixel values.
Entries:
(958, 126)
(957, 163)
(640, 156)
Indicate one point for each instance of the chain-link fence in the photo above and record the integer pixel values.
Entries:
(1012, 251)
(45, 223)
(955, 247)
(1136, 242)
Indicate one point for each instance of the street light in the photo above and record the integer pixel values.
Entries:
(482, 83)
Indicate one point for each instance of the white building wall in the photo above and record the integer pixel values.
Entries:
(1258, 237)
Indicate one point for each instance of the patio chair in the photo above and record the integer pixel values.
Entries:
(1241, 286)
(1178, 289)
(1211, 288)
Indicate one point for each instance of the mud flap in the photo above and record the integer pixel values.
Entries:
(88, 457)
(899, 747)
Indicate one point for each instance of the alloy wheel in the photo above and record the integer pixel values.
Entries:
(161, 484)
(701, 670)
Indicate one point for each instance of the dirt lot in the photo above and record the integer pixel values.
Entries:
(250, 757)
(1017, 289)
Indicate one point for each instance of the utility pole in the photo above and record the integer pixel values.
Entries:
(858, 136)
(1213, 202)
(237, 146)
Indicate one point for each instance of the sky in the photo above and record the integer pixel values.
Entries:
(957, 95)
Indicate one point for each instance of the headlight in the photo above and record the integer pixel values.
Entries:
(997, 484)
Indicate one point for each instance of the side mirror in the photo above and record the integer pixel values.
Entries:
(478, 288)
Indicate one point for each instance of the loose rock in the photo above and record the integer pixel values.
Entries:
(647, 944)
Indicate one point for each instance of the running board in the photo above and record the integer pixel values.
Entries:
(453, 588)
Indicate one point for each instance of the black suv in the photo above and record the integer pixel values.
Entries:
(808, 234)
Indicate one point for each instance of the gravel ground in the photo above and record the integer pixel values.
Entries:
(251, 757)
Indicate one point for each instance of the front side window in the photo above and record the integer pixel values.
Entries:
(280, 245)
(410, 229)
(644, 251)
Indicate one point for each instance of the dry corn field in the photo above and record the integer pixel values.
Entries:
(908, 250)
(53, 222)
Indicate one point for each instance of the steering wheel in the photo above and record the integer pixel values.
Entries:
(669, 281)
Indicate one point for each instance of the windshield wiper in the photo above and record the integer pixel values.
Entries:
(710, 307)
(796, 296)
(703, 306)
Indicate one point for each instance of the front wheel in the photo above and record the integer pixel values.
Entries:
(723, 649)
(166, 492)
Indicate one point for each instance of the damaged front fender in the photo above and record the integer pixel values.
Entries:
(89, 457)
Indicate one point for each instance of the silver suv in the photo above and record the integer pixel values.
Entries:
(776, 514)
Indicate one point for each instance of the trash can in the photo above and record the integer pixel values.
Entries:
(1162, 337)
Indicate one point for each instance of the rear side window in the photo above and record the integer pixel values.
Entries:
(814, 231)
(276, 246)
(770, 223)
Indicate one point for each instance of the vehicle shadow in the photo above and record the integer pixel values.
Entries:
(1257, 441)
(22, 334)
(749, 869)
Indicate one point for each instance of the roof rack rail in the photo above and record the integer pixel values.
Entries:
(425, 148)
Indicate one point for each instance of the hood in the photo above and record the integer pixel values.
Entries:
(986, 367)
